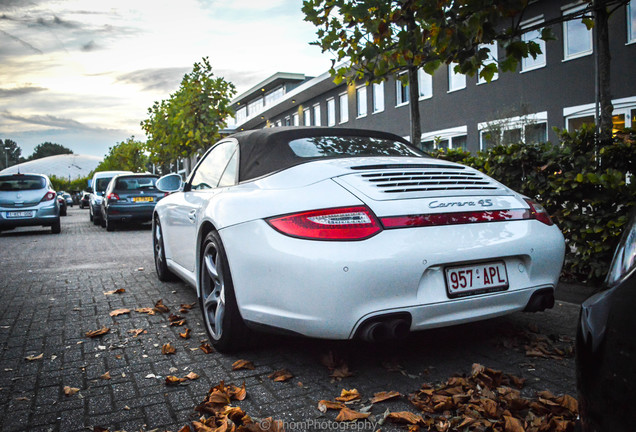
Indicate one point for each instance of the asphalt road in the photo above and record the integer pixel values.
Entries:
(52, 291)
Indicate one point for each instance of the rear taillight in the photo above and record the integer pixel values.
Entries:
(456, 218)
(112, 197)
(344, 223)
(538, 212)
(48, 196)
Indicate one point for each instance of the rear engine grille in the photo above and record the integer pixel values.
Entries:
(429, 180)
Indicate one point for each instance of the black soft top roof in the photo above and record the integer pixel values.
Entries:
(264, 151)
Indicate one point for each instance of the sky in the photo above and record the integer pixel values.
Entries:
(83, 73)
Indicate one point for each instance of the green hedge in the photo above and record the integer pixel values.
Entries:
(586, 189)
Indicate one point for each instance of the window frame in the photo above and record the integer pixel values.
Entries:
(377, 88)
(421, 77)
(361, 101)
(631, 29)
(493, 58)
(566, 55)
(401, 91)
(316, 114)
(452, 74)
(445, 134)
(208, 154)
(306, 116)
(343, 99)
(331, 111)
(541, 42)
(512, 123)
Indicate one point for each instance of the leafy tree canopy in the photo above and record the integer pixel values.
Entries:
(128, 155)
(191, 118)
(48, 149)
(11, 153)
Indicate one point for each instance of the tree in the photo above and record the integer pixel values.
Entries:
(11, 153)
(191, 118)
(128, 155)
(48, 149)
(380, 38)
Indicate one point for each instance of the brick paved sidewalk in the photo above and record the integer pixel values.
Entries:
(52, 292)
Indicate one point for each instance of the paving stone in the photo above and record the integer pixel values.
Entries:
(89, 261)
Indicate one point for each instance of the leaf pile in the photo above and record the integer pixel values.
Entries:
(222, 417)
(487, 401)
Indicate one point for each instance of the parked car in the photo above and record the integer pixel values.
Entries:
(85, 199)
(343, 233)
(98, 187)
(68, 198)
(28, 200)
(63, 206)
(606, 346)
(129, 198)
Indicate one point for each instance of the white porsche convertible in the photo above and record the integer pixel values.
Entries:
(343, 233)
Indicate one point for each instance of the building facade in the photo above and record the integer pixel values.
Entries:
(556, 89)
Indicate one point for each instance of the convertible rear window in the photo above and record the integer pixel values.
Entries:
(344, 146)
(135, 183)
(21, 182)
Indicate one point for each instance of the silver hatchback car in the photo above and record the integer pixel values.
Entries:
(28, 200)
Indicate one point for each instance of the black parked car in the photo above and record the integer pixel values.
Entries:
(129, 198)
(606, 346)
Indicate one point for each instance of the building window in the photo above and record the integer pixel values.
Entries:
(401, 91)
(241, 115)
(287, 121)
(306, 117)
(361, 101)
(344, 108)
(274, 95)
(255, 107)
(331, 112)
(295, 119)
(316, 115)
(453, 138)
(378, 97)
(577, 39)
(526, 129)
(622, 115)
(530, 63)
(492, 58)
(278, 123)
(424, 84)
(456, 80)
(631, 22)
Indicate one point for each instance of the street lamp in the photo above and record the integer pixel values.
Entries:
(6, 157)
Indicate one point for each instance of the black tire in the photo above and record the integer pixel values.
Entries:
(56, 228)
(163, 273)
(110, 225)
(90, 213)
(102, 222)
(63, 212)
(223, 323)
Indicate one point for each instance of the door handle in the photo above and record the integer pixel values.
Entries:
(192, 215)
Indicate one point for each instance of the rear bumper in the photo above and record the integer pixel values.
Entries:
(138, 213)
(44, 216)
(328, 289)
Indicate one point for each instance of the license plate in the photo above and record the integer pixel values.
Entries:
(476, 279)
(20, 214)
(142, 199)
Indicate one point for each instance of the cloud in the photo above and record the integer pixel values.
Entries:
(166, 79)
(90, 46)
(54, 23)
(48, 120)
(18, 91)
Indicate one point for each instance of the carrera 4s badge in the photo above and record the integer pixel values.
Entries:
(481, 203)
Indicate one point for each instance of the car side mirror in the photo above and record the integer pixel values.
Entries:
(170, 183)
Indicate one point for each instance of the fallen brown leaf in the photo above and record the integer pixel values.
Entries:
(146, 310)
(96, 333)
(341, 372)
(347, 414)
(325, 405)
(174, 317)
(185, 334)
(118, 312)
(69, 391)
(105, 376)
(178, 323)
(206, 348)
(281, 375)
(382, 396)
(100, 429)
(405, 417)
(160, 307)
(185, 428)
(242, 364)
(348, 395)
(168, 349)
(117, 291)
(173, 380)
(137, 332)
(192, 376)
(512, 424)
(34, 357)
